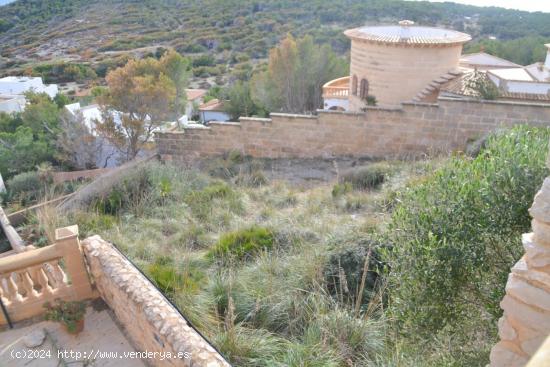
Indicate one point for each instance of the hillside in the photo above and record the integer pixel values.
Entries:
(75, 30)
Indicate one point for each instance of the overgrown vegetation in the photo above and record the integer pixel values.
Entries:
(456, 235)
(227, 40)
(402, 270)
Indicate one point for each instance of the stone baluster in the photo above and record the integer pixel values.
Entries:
(13, 291)
(525, 323)
(56, 275)
(42, 279)
(28, 284)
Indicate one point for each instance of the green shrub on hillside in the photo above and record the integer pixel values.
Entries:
(201, 201)
(340, 189)
(171, 278)
(456, 235)
(243, 243)
(25, 187)
(143, 188)
(365, 178)
(344, 270)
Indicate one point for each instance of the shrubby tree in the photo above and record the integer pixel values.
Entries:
(29, 138)
(178, 69)
(456, 234)
(482, 86)
(78, 148)
(141, 96)
(239, 101)
(138, 101)
(296, 72)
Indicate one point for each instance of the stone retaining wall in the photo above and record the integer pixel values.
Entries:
(525, 323)
(151, 322)
(414, 129)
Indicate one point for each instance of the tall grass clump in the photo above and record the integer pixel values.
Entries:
(456, 234)
(368, 177)
(243, 244)
(143, 188)
(215, 195)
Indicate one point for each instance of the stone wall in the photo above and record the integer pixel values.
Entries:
(379, 132)
(151, 322)
(525, 323)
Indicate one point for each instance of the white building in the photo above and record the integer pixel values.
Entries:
(90, 114)
(13, 89)
(485, 61)
(12, 104)
(19, 85)
(213, 110)
(529, 83)
(195, 98)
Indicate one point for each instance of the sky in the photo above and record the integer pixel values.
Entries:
(529, 5)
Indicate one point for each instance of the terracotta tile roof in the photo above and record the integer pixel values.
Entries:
(486, 60)
(517, 74)
(212, 105)
(408, 35)
(460, 86)
(193, 94)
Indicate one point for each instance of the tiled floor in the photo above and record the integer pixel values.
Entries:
(101, 343)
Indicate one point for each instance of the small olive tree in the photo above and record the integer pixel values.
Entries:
(482, 86)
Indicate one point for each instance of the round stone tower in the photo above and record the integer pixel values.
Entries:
(392, 64)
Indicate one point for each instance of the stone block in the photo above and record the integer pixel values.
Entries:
(540, 209)
(537, 255)
(527, 293)
(505, 330)
(503, 356)
(531, 317)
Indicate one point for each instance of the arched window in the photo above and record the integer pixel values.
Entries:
(364, 89)
(354, 85)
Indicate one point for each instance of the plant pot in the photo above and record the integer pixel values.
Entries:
(79, 326)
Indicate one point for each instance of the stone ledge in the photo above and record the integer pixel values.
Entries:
(484, 101)
(124, 288)
(292, 116)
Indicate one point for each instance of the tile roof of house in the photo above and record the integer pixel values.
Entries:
(485, 59)
(518, 74)
(407, 34)
(212, 105)
(539, 72)
(193, 94)
(461, 85)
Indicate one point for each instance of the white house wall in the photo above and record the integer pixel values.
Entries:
(207, 116)
(336, 102)
(528, 87)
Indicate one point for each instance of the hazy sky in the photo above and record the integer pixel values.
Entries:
(529, 5)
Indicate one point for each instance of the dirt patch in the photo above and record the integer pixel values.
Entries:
(297, 171)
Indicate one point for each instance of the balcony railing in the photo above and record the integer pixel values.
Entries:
(337, 88)
(31, 278)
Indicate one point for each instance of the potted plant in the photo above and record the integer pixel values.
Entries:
(69, 313)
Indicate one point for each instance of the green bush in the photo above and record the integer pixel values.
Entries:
(341, 189)
(456, 235)
(171, 278)
(358, 341)
(364, 178)
(344, 270)
(144, 188)
(25, 187)
(243, 243)
(92, 223)
(201, 202)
